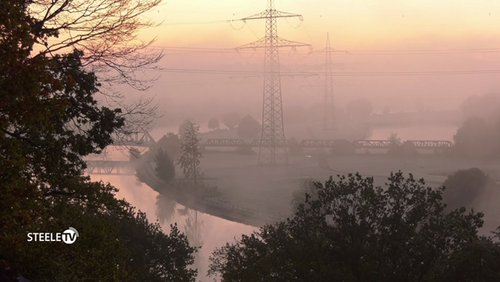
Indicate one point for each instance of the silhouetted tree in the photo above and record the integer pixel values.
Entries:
(486, 107)
(478, 260)
(248, 128)
(399, 148)
(165, 169)
(213, 124)
(476, 138)
(360, 109)
(464, 186)
(355, 231)
(49, 119)
(307, 190)
(294, 147)
(231, 120)
(105, 32)
(190, 154)
(171, 144)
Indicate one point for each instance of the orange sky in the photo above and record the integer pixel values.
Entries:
(357, 26)
(354, 24)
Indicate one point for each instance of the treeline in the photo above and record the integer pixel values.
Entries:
(348, 229)
(479, 135)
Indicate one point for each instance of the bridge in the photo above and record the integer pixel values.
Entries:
(103, 167)
(112, 167)
(137, 139)
(144, 139)
(227, 142)
(426, 144)
(332, 143)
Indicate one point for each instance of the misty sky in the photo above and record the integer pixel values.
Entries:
(402, 55)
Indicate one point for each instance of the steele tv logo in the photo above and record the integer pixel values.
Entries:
(68, 236)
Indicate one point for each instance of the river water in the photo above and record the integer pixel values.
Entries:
(214, 231)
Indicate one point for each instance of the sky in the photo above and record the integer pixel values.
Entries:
(354, 24)
(401, 55)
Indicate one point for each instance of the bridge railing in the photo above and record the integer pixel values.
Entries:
(134, 139)
(115, 167)
(235, 142)
(329, 143)
(223, 142)
(373, 144)
(103, 167)
(430, 144)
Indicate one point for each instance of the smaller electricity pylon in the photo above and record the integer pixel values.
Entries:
(329, 114)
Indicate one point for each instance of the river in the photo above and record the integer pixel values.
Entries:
(214, 231)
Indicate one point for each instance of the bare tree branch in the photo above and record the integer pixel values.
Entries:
(106, 31)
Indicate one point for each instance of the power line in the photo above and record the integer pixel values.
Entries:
(418, 73)
(339, 74)
(196, 23)
(345, 52)
(423, 51)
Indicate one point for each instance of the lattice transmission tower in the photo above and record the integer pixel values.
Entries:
(329, 119)
(329, 113)
(272, 145)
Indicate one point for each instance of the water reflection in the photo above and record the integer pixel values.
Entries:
(209, 230)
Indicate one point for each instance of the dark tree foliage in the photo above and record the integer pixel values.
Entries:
(190, 154)
(477, 139)
(213, 124)
(231, 120)
(354, 231)
(294, 147)
(248, 128)
(485, 107)
(171, 144)
(464, 186)
(165, 169)
(49, 119)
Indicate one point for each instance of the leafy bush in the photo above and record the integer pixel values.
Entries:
(355, 231)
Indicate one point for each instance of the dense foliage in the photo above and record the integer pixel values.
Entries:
(190, 154)
(464, 186)
(479, 135)
(165, 169)
(248, 128)
(49, 120)
(478, 138)
(213, 124)
(352, 230)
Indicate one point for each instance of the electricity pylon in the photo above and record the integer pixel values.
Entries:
(329, 113)
(329, 119)
(272, 138)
